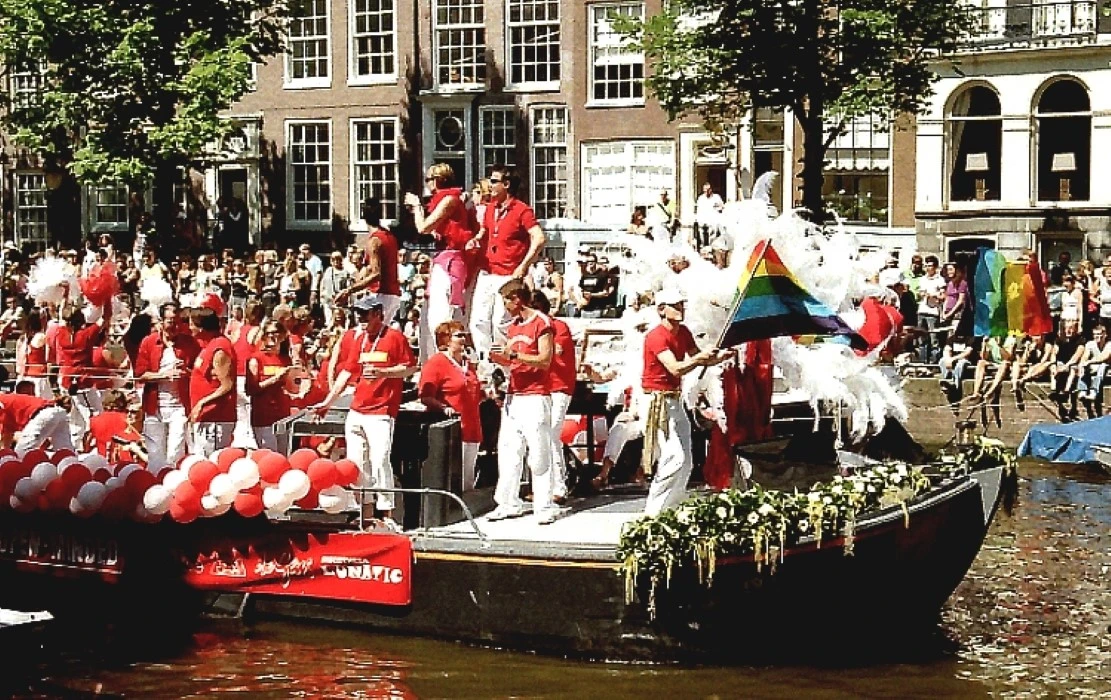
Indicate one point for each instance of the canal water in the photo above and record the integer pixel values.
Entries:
(1030, 620)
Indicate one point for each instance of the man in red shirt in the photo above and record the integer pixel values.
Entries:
(562, 384)
(669, 353)
(526, 422)
(381, 360)
(37, 421)
(380, 274)
(161, 366)
(511, 240)
(211, 385)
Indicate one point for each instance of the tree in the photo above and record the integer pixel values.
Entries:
(827, 60)
(129, 91)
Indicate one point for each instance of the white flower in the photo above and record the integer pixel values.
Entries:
(695, 531)
(859, 486)
(765, 509)
(722, 512)
(729, 537)
(827, 500)
(896, 478)
(683, 516)
(871, 489)
(753, 518)
(813, 496)
(837, 490)
(804, 525)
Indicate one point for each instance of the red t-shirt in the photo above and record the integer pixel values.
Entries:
(75, 355)
(458, 387)
(103, 426)
(455, 231)
(203, 382)
(381, 396)
(243, 349)
(507, 235)
(525, 337)
(563, 359)
(387, 282)
(271, 404)
(18, 409)
(149, 359)
(35, 363)
(680, 343)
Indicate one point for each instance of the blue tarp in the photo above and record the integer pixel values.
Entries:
(1071, 442)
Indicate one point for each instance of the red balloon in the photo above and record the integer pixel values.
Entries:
(58, 494)
(8, 452)
(249, 502)
(322, 473)
(347, 472)
(62, 454)
(23, 506)
(35, 456)
(76, 476)
(302, 458)
(188, 496)
(42, 502)
(229, 455)
(183, 515)
(102, 475)
(310, 501)
(201, 473)
(271, 468)
(115, 505)
(138, 482)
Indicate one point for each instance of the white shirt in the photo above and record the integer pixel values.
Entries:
(931, 287)
(707, 207)
(167, 389)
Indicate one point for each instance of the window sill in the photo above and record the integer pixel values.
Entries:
(314, 84)
(372, 81)
(613, 104)
(465, 89)
(294, 225)
(532, 87)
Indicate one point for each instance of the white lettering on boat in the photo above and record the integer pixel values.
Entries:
(359, 569)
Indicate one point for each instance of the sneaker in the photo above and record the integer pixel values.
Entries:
(547, 517)
(505, 513)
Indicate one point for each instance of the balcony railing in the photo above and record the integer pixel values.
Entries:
(999, 22)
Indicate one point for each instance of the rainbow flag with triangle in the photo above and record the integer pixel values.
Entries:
(772, 302)
(1010, 297)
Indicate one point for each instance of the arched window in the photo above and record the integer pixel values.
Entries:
(1063, 129)
(974, 131)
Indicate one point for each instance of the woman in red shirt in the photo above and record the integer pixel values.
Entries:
(74, 346)
(449, 384)
(31, 355)
(268, 379)
(211, 385)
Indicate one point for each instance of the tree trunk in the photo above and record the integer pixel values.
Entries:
(164, 211)
(813, 163)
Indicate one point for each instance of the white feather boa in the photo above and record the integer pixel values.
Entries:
(48, 281)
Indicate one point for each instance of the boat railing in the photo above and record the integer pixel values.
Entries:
(423, 492)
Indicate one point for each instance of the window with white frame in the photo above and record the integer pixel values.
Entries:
(374, 164)
(533, 42)
(857, 177)
(308, 57)
(499, 137)
(620, 175)
(25, 86)
(459, 28)
(373, 45)
(617, 74)
(108, 207)
(550, 127)
(309, 152)
(30, 209)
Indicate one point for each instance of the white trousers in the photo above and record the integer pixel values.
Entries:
(437, 309)
(673, 460)
(209, 437)
(525, 430)
(166, 434)
(620, 433)
(50, 423)
(86, 404)
(560, 402)
(470, 458)
(369, 440)
(488, 319)
(264, 437)
(243, 436)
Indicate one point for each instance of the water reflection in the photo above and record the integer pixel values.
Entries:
(1030, 620)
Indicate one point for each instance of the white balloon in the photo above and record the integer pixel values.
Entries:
(94, 461)
(243, 473)
(209, 502)
(43, 474)
(91, 495)
(188, 461)
(272, 497)
(174, 479)
(14, 501)
(157, 499)
(220, 509)
(113, 483)
(25, 489)
(295, 484)
(63, 463)
(223, 488)
(128, 470)
(333, 499)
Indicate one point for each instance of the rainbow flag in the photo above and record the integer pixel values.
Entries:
(771, 302)
(1010, 297)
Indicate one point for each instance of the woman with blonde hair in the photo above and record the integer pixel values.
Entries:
(449, 384)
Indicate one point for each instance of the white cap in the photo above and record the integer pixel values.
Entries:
(890, 276)
(670, 297)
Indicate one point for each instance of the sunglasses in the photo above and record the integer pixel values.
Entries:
(458, 334)
(495, 180)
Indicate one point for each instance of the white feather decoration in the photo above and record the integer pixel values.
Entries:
(48, 279)
(155, 292)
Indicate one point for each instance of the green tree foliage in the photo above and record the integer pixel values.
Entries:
(131, 89)
(827, 60)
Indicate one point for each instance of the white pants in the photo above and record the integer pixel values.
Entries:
(243, 436)
(487, 311)
(369, 439)
(470, 457)
(209, 437)
(86, 404)
(437, 309)
(620, 433)
(673, 460)
(525, 428)
(560, 402)
(264, 437)
(50, 423)
(166, 433)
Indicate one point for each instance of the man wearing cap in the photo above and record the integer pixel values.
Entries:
(669, 353)
(162, 368)
(381, 360)
(511, 240)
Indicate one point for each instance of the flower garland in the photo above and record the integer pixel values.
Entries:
(765, 523)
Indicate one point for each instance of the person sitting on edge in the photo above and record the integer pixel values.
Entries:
(1092, 370)
(1034, 363)
(995, 361)
(1065, 370)
(956, 357)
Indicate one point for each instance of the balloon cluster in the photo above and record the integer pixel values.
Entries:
(263, 481)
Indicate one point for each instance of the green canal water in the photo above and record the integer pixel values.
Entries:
(1031, 620)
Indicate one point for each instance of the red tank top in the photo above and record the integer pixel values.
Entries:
(243, 349)
(75, 355)
(271, 404)
(203, 381)
(36, 361)
(387, 282)
(457, 229)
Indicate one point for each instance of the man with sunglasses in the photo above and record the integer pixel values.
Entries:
(511, 240)
(161, 368)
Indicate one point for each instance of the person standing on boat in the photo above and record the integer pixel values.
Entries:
(161, 368)
(268, 382)
(382, 359)
(527, 414)
(511, 240)
(669, 353)
(211, 385)
(380, 274)
(562, 384)
(450, 384)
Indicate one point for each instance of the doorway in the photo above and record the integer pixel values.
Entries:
(233, 223)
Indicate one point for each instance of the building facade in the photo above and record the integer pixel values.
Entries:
(1008, 150)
